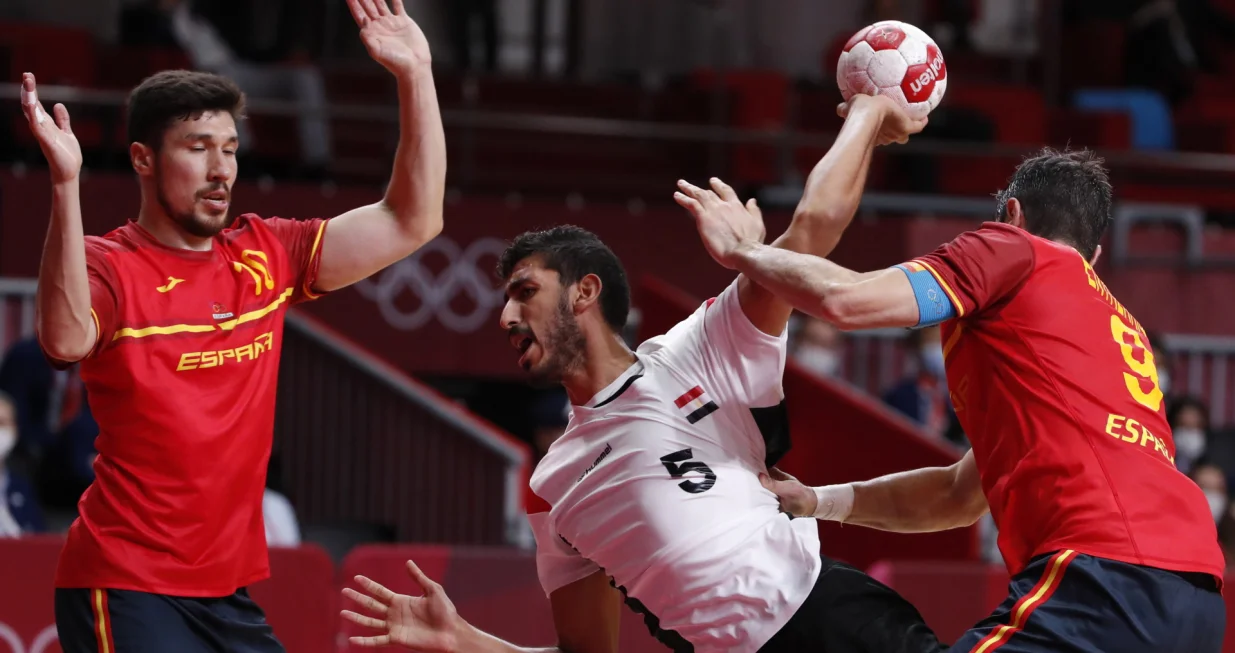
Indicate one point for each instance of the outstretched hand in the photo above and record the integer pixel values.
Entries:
(426, 623)
(724, 223)
(56, 139)
(392, 38)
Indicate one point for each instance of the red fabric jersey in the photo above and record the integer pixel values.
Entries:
(182, 384)
(1056, 387)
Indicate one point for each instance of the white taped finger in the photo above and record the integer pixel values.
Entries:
(39, 116)
(30, 98)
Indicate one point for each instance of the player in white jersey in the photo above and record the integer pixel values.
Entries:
(653, 495)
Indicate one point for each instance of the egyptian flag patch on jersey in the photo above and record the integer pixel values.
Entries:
(695, 404)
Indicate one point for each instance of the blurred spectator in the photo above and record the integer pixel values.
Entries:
(1189, 420)
(922, 396)
(282, 527)
(19, 510)
(160, 21)
(1170, 41)
(550, 414)
(1212, 481)
(1163, 360)
(1007, 28)
(464, 16)
(820, 347)
(57, 430)
(1226, 537)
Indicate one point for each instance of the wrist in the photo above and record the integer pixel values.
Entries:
(742, 257)
(833, 502)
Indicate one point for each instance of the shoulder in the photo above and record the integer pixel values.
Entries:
(998, 234)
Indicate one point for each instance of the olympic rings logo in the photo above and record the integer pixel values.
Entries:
(44, 639)
(463, 276)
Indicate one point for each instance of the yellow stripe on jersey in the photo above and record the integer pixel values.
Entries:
(960, 308)
(317, 243)
(173, 329)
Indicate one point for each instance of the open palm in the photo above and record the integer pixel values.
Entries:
(56, 139)
(426, 623)
(392, 38)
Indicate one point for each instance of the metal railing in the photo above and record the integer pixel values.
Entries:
(364, 444)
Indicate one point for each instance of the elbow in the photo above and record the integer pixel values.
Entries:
(63, 350)
(417, 224)
(814, 217)
(838, 306)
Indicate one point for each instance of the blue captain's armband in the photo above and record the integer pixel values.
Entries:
(934, 307)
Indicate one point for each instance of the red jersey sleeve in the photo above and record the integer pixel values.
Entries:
(980, 268)
(302, 239)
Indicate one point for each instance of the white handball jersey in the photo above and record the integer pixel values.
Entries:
(656, 483)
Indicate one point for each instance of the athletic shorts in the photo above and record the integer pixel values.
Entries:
(1078, 603)
(122, 621)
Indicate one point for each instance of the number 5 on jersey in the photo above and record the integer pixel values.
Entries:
(676, 470)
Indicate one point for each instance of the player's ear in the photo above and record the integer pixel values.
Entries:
(587, 293)
(142, 158)
(1097, 253)
(1015, 216)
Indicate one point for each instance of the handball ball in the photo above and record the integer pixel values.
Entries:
(894, 59)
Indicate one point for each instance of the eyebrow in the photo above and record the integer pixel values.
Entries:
(518, 282)
(198, 136)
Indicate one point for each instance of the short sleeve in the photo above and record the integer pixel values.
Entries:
(719, 342)
(981, 268)
(302, 240)
(557, 563)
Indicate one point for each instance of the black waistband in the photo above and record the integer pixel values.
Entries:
(1200, 580)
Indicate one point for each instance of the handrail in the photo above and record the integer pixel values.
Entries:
(574, 125)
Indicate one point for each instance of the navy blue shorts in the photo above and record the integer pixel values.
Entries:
(1070, 602)
(107, 621)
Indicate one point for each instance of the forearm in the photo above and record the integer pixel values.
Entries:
(834, 187)
(418, 182)
(62, 300)
(917, 501)
(474, 640)
(807, 282)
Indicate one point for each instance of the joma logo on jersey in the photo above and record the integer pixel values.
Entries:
(195, 360)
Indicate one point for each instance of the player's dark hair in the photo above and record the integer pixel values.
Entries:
(171, 95)
(574, 253)
(1065, 196)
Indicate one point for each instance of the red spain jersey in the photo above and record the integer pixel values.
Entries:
(1056, 387)
(182, 385)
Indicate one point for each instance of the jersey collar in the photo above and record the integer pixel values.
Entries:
(619, 385)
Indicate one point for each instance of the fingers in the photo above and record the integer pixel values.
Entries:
(689, 203)
(694, 191)
(362, 620)
(367, 602)
(427, 584)
(375, 8)
(30, 101)
(370, 642)
(62, 118)
(358, 13)
(723, 190)
(398, 6)
(753, 207)
(376, 589)
(780, 475)
(842, 109)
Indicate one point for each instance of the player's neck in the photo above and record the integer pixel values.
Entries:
(606, 359)
(158, 224)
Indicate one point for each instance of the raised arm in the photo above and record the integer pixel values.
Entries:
(830, 200)
(918, 501)
(586, 614)
(370, 238)
(64, 325)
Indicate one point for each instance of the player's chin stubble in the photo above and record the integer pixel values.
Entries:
(564, 347)
(190, 221)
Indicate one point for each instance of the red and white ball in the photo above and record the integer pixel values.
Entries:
(894, 59)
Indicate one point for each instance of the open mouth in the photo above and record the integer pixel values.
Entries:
(523, 344)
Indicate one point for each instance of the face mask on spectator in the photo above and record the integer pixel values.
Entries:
(1217, 503)
(1189, 442)
(820, 360)
(8, 438)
